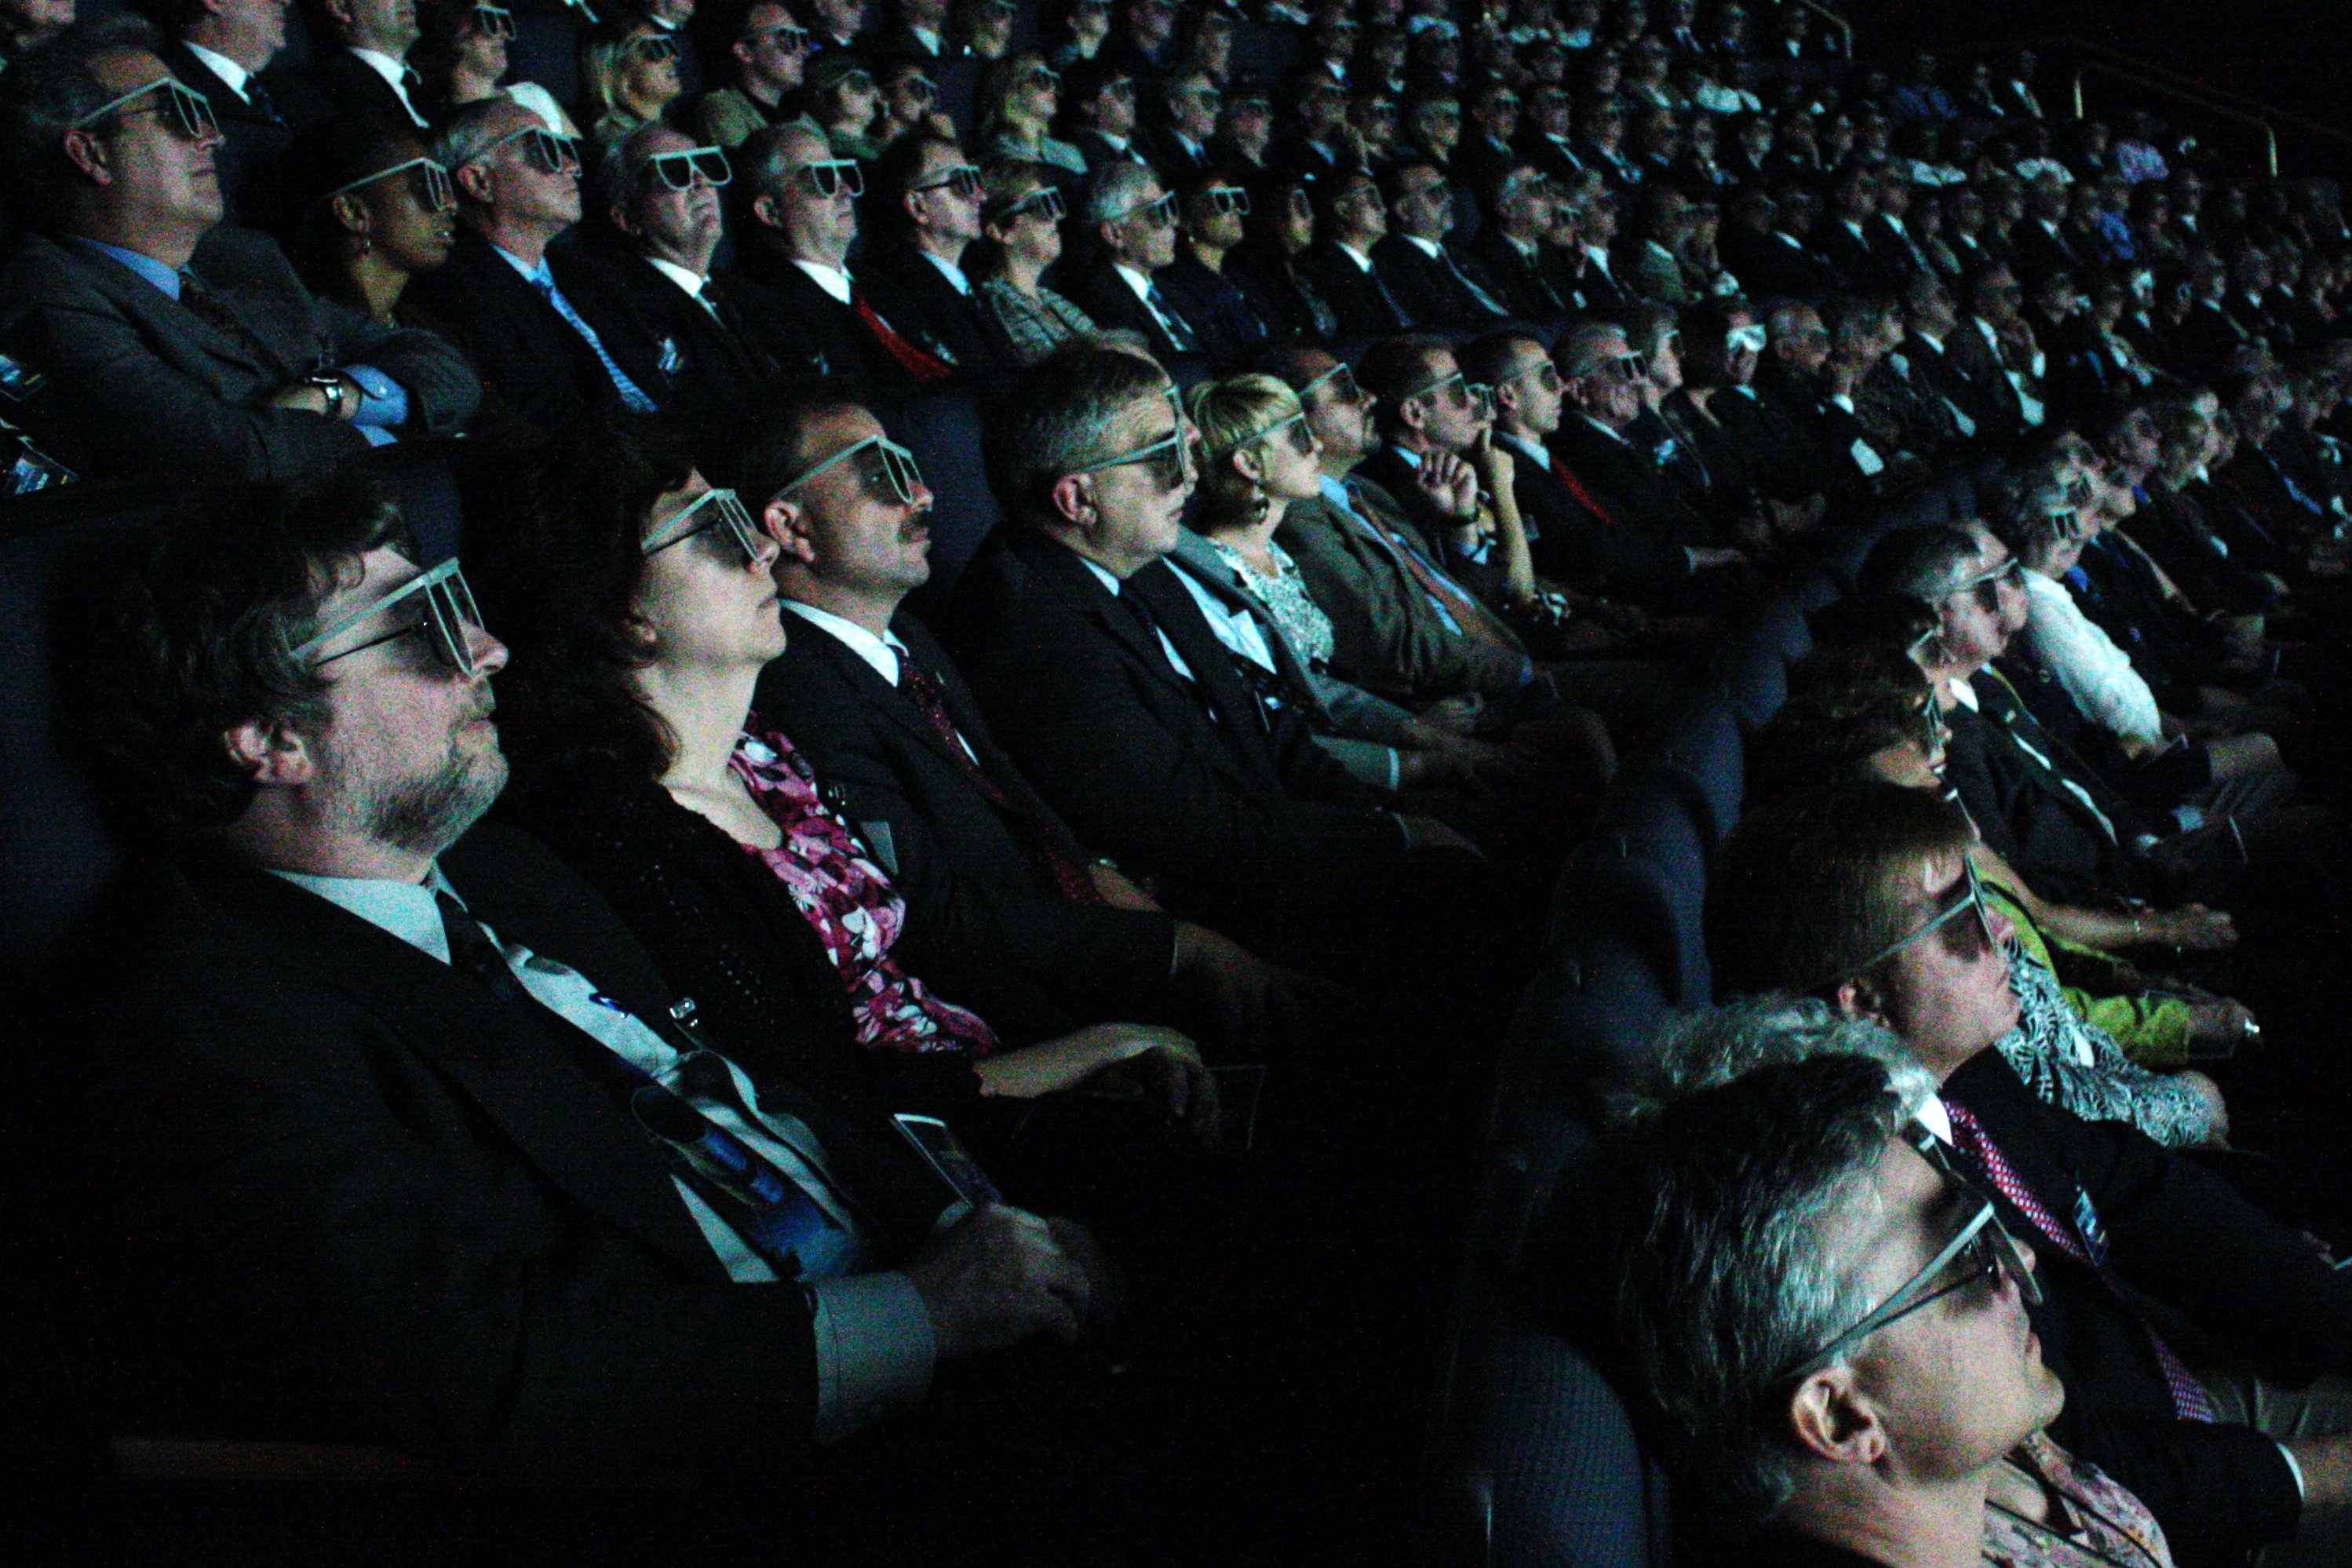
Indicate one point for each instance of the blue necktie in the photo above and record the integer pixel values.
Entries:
(632, 396)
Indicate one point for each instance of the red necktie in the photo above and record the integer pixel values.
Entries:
(921, 366)
(2190, 1400)
(931, 700)
(1584, 497)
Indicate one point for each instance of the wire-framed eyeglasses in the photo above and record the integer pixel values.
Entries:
(432, 181)
(891, 476)
(831, 176)
(706, 514)
(446, 619)
(183, 110)
(1981, 1255)
(684, 169)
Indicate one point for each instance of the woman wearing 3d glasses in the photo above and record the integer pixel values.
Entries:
(640, 608)
(1018, 99)
(382, 212)
(628, 77)
(1023, 222)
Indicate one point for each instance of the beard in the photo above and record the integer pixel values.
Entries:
(428, 811)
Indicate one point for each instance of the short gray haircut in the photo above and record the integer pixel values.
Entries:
(1586, 346)
(1117, 189)
(469, 131)
(43, 93)
(623, 164)
(1052, 421)
(766, 156)
(1701, 1049)
(1692, 1257)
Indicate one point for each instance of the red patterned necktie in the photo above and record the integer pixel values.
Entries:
(1584, 497)
(921, 366)
(930, 699)
(2190, 1400)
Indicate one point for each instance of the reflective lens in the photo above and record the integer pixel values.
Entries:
(710, 511)
(1443, 388)
(1751, 337)
(833, 176)
(1342, 379)
(679, 171)
(447, 617)
(1223, 199)
(493, 22)
(890, 476)
(433, 182)
(1160, 213)
(1046, 202)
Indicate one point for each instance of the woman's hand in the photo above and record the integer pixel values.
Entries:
(1163, 1063)
(2192, 926)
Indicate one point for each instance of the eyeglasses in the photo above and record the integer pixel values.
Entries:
(921, 89)
(963, 179)
(1443, 388)
(1302, 439)
(549, 153)
(1302, 205)
(1342, 379)
(654, 46)
(439, 194)
(1980, 1254)
(716, 510)
(792, 40)
(1228, 199)
(891, 476)
(1752, 337)
(1631, 365)
(1931, 716)
(183, 110)
(1171, 459)
(493, 22)
(1972, 941)
(1987, 585)
(1045, 76)
(447, 621)
(681, 171)
(854, 81)
(831, 176)
(1160, 212)
(1045, 202)
(1547, 376)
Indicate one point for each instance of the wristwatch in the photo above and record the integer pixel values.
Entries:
(332, 385)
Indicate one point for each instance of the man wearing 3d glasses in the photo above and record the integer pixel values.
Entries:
(361, 65)
(173, 342)
(926, 200)
(1864, 897)
(550, 335)
(220, 47)
(713, 341)
(1135, 220)
(766, 54)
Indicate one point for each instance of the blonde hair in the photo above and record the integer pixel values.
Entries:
(1232, 416)
(603, 69)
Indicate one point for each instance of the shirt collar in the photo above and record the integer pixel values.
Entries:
(1426, 246)
(883, 652)
(831, 280)
(233, 75)
(1412, 458)
(690, 280)
(149, 270)
(1962, 693)
(949, 271)
(1362, 260)
(1102, 574)
(1138, 281)
(405, 909)
(1535, 453)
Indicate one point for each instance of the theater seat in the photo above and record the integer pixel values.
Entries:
(1780, 624)
(1650, 824)
(1754, 679)
(942, 429)
(1705, 754)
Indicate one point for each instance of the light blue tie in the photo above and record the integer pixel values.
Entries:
(632, 396)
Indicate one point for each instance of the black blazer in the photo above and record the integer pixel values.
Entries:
(1623, 481)
(1523, 284)
(809, 315)
(541, 367)
(336, 83)
(708, 362)
(1575, 547)
(1121, 745)
(1222, 316)
(1104, 295)
(254, 138)
(960, 860)
(1365, 306)
(1776, 263)
(2026, 813)
(2182, 1237)
(350, 1197)
(924, 307)
(1429, 291)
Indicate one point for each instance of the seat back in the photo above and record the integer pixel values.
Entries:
(1649, 823)
(1704, 754)
(942, 429)
(1754, 679)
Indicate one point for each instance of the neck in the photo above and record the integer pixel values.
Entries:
(1119, 564)
(172, 246)
(1022, 272)
(1211, 257)
(1248, 534)
(824, 255)
(705, 708)
(860, 607)
(947, 248)
(1699, 396)
(470, 85)
(231, 42)
(526, 242)
(761, 90)
(281, 832)
(1913, 1525)
(697, 262)
(380, 284)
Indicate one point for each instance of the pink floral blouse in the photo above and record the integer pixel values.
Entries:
(2107, 1525)
(857, 913)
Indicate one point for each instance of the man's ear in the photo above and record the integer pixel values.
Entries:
(1412, 413)
(343, 11)
(1862, 999)
(787, 522)
(86, 153)
(765, 210)
(1829, 1419)
(473, 180)
(622, 223)
(1074, 498)
(271, 753)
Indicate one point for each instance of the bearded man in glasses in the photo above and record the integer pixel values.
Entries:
(1864, 897)
(173, 343)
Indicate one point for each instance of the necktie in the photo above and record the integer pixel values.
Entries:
(1327, 323)
(1180, 333)
(770, 1210)
(930, 699)
(1584, 497)
(917, 364)
(1456, 603)
(215, 311)
(2191, 1401)
(632, 396)
(1486, 301)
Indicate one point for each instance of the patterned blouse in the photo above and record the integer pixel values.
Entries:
(1037, 326)
(1304, 625)
(2103, 1523)
(857, 914)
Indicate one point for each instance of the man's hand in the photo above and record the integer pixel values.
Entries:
(2192, 926)
(1495, 464)
(998, 1275)
(1119, 890)
(1451, 484)
(312, 399)
(1248, 1002)
(1457, 714)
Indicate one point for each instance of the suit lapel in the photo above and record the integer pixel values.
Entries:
(519, 1076)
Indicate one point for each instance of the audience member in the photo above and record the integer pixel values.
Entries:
(766, 51)
(360, 68)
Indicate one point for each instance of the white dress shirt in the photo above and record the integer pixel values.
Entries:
(1175, 660)
(874, 1349)
(884, 653)
(831, 280)
(2085, 661)
(233, 76)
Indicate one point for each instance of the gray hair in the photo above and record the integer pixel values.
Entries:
(469, 131)
(1052, 421)
(623, 164)
(1117, 189)
(1699, 1050)
(765, 159)
(1692, 1257)
(1585, 347)
(48, 90)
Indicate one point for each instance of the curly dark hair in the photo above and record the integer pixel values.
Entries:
(197, 637)
(554, 554)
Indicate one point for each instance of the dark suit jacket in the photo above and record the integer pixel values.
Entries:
(1860, 265)
(2019, 804)
(1363, 309)
(809, 315)
(1222, 316)
(1775, 264)
(1623, 481)
(960, 860)
(336, 83)
(708, 362)
(1576, 547)
(1427, 289)
(357, 1200)
(924, 307)
(148, 385)
(1121, 746)
(541, 367)
(253, 141)
(1104, 295)
(1525, 286)
(2179, 1235)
